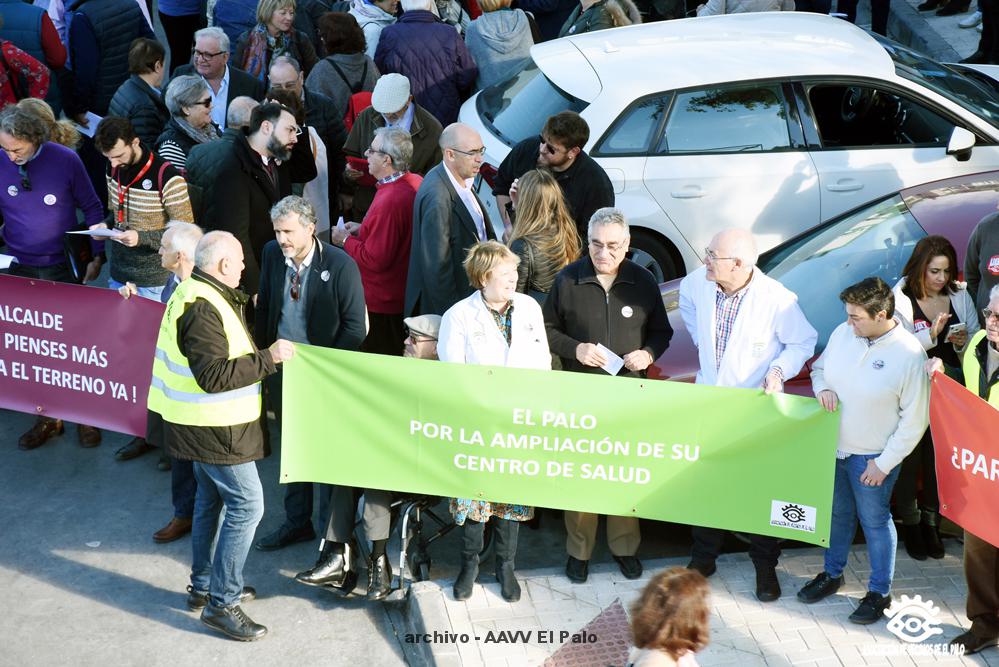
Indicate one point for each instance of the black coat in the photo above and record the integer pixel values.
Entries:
(334, 303)
(237, 193)
(241, 84)
(136, 100)
(629, 317)
(443, 231)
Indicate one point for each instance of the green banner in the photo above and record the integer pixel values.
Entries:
(706, 456)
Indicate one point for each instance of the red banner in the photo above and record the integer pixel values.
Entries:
(83, 354)
(967, 456)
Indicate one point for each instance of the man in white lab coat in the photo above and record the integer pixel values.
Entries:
(751, 333)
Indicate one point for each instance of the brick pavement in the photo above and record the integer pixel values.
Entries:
(743, 631)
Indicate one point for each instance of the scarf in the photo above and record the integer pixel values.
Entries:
(261, 48)
(202, 136)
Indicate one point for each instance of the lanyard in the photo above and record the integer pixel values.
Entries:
(123, 192)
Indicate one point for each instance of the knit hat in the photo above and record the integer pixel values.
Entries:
(391, 93)
(424, 325)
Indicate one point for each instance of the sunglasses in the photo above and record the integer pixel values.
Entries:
(206, 103)
(295, 286)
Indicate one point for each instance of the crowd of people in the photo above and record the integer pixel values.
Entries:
(222, 191)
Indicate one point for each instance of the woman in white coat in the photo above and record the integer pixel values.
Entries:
(930, 303)
(495, 326)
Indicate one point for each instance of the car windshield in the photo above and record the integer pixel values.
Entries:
(873, 241)
(960, 89)
(518, 108)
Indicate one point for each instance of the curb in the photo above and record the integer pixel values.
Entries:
(908, 27)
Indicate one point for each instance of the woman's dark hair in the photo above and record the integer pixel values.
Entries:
(289, 100)
(872, 294)
(672, 612)
(340, 33)
(925, 252)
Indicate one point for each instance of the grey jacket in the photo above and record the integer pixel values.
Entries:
(500, 43)
(359, 69)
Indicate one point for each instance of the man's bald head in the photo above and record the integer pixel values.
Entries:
(220, 255)
(462, 149)
(237, 116)
(736, 242)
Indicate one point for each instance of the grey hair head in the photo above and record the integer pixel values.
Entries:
(994, 293)
(184, 91)
(239, 111)
(608, 215)
(214, 33)
(184, 237)
(398, 145)
(25, 125)
(286, 60)
(294, 204)
(212, 249)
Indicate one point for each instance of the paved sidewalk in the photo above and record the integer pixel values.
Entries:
(743, 630)
(951, 42)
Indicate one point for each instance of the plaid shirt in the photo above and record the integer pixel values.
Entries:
(393, 178)
(726, 310)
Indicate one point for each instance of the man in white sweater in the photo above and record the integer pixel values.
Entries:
(751, 333)
(873, 368)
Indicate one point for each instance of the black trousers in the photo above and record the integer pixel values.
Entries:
(377, 513)
(386, 334)
(908, 509)
(763, 550)
(988, 46)
(879, 13)
(180, 37)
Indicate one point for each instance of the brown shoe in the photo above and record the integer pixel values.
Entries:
(44, 428)
(176, 529)
(89, 436)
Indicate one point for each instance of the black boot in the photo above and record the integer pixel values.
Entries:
(379, 577)
(334, 569)
(472, 535)
(931, 538)
(912, 537)
(506, 550)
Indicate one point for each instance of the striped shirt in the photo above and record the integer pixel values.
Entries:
(172, 152)
(726, 310)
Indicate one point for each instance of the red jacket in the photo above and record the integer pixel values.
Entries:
(381, 248)
(36, 75)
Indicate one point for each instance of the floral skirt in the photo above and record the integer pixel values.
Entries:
(481, 510)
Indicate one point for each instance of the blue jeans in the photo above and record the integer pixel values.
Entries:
(151, 293)
(853, 500)
(183, 488)
(237, 487)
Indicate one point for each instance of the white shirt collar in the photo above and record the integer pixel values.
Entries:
(306, 263)
(465, 184)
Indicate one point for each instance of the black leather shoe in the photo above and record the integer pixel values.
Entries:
(379, 578)
(332, 570)
(973, 643)
(871, 609)
(232, 622)
(931, 538)
(912, 538)
(577, 570)
(953, 8)
(705, 567)
(286, 536)
(767, 586)
(197, 600)
(820, 587)
(135, 448)
(630, 566)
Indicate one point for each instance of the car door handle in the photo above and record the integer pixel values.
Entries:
(846, 185)
(688, 192)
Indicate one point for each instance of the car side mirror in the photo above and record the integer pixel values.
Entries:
(960, 144)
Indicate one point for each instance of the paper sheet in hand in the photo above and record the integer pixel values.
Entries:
(92, 122)
(98, 233)
(614, 362)
(340, 224)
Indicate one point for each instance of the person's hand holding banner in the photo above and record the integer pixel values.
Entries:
(281, 350)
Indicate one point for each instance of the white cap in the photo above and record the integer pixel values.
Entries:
(391, 93)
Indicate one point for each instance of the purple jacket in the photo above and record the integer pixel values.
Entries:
(432, 55)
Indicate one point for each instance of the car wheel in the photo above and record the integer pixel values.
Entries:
(650, 252)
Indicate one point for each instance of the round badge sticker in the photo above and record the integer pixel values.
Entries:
(147, 184)
(627, 311)
(12, 191)
(49, 199)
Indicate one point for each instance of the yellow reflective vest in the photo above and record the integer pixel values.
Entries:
(973, 370)
(174, 393)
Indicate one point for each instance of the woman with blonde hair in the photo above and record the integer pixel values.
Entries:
(544, 233)
(273, 36)
(62, 131)
(669, 622)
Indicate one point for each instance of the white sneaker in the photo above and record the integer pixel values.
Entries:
(972, 21)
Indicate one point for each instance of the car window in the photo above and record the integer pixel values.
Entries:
(727, 120)
(874, 241)
(632, 133)
(518, 108)
(866, 117)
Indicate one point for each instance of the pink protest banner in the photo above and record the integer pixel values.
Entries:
(83, 354)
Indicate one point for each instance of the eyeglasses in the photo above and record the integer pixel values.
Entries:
(610, 247)
(26, 182)
(371, 151)
(478, 151)
(204, 55)
(710, 255)
(987, 312)
(295, 285)
(298, 130)
(206, 103)
(417, 338)
(291, 85)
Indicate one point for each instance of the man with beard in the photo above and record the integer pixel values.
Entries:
(254, 173)
(560, 149)
(310, 292)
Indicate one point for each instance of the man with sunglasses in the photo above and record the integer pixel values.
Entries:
(310, 292)
(560, 149)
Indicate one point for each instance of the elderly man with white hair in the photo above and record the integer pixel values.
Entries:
(751, 333)
(206, 387)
